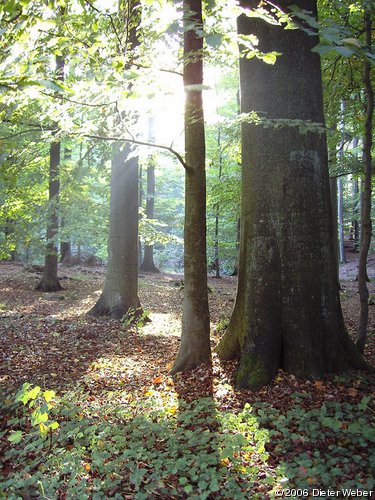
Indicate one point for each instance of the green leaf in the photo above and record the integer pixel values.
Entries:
(214, 40)
(15, 437)
(38, 417)
(345, 51)
(188, 488)
(49, 395)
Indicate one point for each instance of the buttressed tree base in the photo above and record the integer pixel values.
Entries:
(287, 313)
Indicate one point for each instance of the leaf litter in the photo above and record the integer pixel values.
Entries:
(148, 435)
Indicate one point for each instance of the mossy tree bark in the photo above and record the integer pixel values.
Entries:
(366, 222)
(49, 281)
(287, 313)
(195, 337)
(119, 297)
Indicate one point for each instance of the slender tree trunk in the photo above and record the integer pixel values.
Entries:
(340, 188)
(140, 202)
(217, 214)
(195, 338)
(49, 281)
(9, 237)
(119, 297)
(148, 264)
(65, 244)
(216, 241)
(334, 205)
(287, 313)
(340, 218)
(65, 251)
(366, 207)
(355, 215)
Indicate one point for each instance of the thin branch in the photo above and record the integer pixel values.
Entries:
(142, 66)
(42, 128)
(29, 131)
(333, 71)
(337, 176)
(139, 143)
(110, 17)
(92, 105)
(115, 31)
(14, 18)
(93, 7)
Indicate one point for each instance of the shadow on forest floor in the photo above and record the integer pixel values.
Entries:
(193, 435)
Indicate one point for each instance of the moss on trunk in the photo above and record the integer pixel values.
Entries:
(287, 313)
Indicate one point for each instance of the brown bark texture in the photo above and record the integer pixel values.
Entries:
(366, 222)
(119, 298)
(287, 313)
(195, 337)
(49, 281)
(120, 291)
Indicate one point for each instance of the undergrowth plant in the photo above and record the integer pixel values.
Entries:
(158, 445)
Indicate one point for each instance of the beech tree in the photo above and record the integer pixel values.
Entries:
(195, 337)
(148, 264)
(366, 206)
(49, 281)
(287, 313)
(120, 292)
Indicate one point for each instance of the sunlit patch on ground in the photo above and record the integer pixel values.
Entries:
(125, 423)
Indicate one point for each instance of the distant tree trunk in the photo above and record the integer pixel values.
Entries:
(195, 338)
(334, 205)
(340, 189)
(119, 297)
(65, 252)
(216, 242)
(355, 215)
(340, 218)
(140, 202)
(49, 281)
(9, 233)
(65, 244)
(366, 223)
(287, 313)
(217, 214)
(148, 264)
(65, 247)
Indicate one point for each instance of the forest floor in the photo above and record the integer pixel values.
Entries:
(129, 430)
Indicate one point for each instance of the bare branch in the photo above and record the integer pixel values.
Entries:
(28, 131)
(139, 143)
(89, 104)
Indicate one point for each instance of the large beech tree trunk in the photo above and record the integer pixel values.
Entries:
(195, 338)
(49, 281)
(120, 291)
(287, 313)
(366, 222)
(119, 297)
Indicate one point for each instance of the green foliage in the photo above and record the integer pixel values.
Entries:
(137, 317)
(159, 446)
(40, 403)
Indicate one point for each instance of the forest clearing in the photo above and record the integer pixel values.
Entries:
(129, 430)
